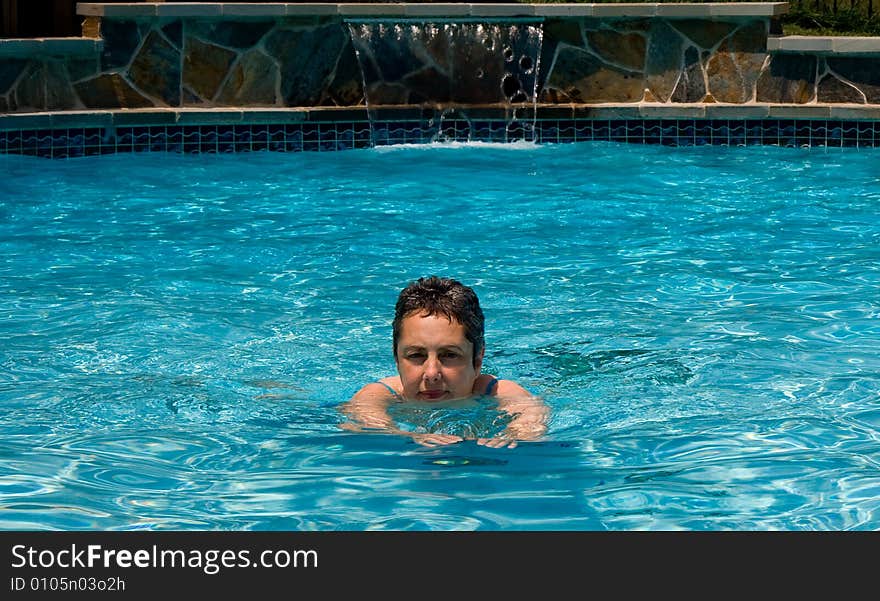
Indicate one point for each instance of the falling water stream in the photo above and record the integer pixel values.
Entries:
(449, 68)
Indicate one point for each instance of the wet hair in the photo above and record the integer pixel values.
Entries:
(442, 296)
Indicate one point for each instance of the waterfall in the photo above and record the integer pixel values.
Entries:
(450, 70)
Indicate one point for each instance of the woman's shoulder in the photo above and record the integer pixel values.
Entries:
(391, 385)
(486, 385)
(378, 389)
(489, 385)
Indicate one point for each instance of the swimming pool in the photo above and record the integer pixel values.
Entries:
(178, 330)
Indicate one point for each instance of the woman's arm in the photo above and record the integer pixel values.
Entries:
(368, 411)
(529, 412)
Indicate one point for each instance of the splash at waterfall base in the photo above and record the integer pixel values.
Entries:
(221, 77)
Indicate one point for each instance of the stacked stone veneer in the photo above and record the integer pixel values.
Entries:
(799, 79)
(692, 61)
(311, 61)
(630, 60)
(193, 63)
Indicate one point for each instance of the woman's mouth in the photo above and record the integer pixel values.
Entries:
(432, 395)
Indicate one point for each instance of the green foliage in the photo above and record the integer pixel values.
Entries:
(804, 17)
(806, 21)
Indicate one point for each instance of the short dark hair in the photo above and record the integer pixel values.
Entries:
(442, 296)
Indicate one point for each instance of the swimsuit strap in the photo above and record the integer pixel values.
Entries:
(490, 386)
(391, 390)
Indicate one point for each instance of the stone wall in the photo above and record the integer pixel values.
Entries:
(807, 78)
(657, 60)
(192, 63)
(38, 75)
(311, 61)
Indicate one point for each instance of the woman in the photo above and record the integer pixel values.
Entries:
(438, 345)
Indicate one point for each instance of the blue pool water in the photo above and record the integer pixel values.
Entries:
(176, 333)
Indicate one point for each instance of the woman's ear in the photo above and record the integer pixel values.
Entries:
(478, 362)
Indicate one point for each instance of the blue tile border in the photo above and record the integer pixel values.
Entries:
(331, 136)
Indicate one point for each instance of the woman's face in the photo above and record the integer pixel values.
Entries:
(435, 359)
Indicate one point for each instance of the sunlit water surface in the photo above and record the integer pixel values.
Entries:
(177, 332)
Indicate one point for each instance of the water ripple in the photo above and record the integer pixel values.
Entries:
(177, 336)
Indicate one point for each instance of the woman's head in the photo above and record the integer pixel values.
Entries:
(442, 297)
(438, 339)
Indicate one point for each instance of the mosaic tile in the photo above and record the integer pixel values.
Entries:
(803, 129)
(865, 130)
(601, 130)
(293, 141)
(718, 132)
(617, 131)
(653, 131)
(346, 135)
(834, 137)
(636, 131)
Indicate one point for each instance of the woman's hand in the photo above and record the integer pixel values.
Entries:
(498, 442)
(435, 440)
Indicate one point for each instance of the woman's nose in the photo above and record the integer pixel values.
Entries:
(432, 369)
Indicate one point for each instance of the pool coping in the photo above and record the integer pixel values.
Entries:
(39, 47)
(825, 45)
(403, 9)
